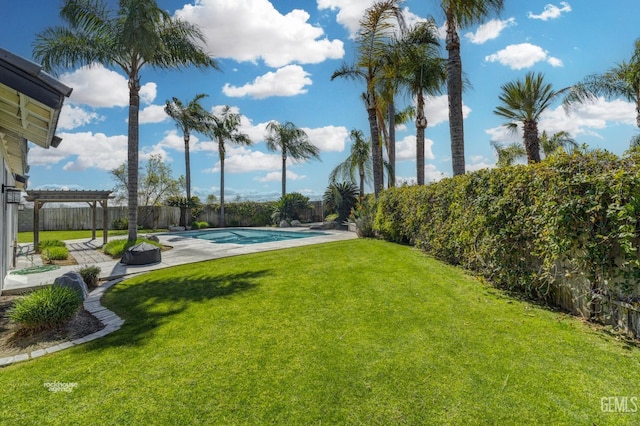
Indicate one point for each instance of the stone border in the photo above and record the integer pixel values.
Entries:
(111, 321)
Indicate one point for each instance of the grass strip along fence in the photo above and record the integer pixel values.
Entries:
(565, 230)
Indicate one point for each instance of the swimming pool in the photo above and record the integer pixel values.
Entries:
(247, 236)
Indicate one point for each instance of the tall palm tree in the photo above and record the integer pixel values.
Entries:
(359, 160)
(622, 80)
(376, 30)
(187, 118)
(225, 127)
(291, 142)
(422, 71)
(139, 33)
(460, 14)
(523, 101)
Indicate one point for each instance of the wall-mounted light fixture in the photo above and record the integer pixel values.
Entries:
(11, 194)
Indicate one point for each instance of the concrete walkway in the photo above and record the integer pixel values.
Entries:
(184, 250)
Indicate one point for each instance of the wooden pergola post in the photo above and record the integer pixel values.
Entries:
(105, 220)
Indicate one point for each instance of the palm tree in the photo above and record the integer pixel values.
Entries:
(508, 154)
(422, 71)
(224, 127)
(359, 160)
(137, 34)
(523, 102)
(622, 80)
(187, 118)
(460, 14)
(291, 142)
(557, 141)
(376, 30)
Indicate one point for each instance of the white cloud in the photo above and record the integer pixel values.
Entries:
(406, 149)
(437, 110)
(240, 159)
(524, 55)
(72, 117)
(584, 119)
(277, 177)
(287, 81)
(153, 114)
(551, 11)
(83, 151)
(328, 138)
(350, 12)
(479, 162)
(98, 86)
(253, 29)
(490, 30)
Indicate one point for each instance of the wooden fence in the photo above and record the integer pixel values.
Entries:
(156, 217)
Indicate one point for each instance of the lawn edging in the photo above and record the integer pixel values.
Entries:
(109, 319)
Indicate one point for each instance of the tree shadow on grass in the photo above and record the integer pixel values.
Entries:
(148, 305)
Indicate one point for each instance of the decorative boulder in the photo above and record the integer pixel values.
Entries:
(73, 280)
(141, 254)
(284, 224)
(153, 238)
(296, 223)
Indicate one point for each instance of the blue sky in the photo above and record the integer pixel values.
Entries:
(277, 58)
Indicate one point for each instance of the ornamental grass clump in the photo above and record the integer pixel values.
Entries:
(46, 308)
(55, 253)
(90, 275)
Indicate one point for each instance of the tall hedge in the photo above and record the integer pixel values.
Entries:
(528, 227)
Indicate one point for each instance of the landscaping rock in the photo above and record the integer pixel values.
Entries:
(153, 238)
(176, 228)
(73, 280)
(296, 223)
(284, 224)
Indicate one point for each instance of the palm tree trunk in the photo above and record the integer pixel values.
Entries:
(421, 124)
(376, 149)
(132, 156)
(187, 177)
(454, 89)
(284, 172)
(391, 146)
(221, 222)
(531, 141)
(361, 172)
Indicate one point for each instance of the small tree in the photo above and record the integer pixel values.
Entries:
(340, 198)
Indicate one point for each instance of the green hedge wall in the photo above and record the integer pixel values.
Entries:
(528, 227)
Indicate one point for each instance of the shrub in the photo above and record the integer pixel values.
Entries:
(55, 253)
(90, 275)
(199, 225)
(289, 207)
(120, 224)
(45, 308)
(116, 248)
(363, 216)
(528, 228)
(340, 198)
(45, 244)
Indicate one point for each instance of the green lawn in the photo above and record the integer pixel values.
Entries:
(27, 237)
(358, 332)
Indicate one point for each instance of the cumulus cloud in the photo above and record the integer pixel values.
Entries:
(100, 87)
(287, 81)
(406, 149)
(524, 55)
(277, 177)
(583, 119)
(253, 29)
(72, 117)
(328, 138)
(437, 110)
(551, 11)
(490, 30)
(85, 150)
(240, 159)
(153, 114)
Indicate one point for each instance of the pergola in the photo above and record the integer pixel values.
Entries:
(40, 197)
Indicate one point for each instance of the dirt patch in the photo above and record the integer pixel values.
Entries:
(11, 343)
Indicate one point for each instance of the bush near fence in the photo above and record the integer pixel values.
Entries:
(565, 231)
(246, 213)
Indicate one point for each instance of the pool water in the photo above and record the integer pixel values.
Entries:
(247, 236)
